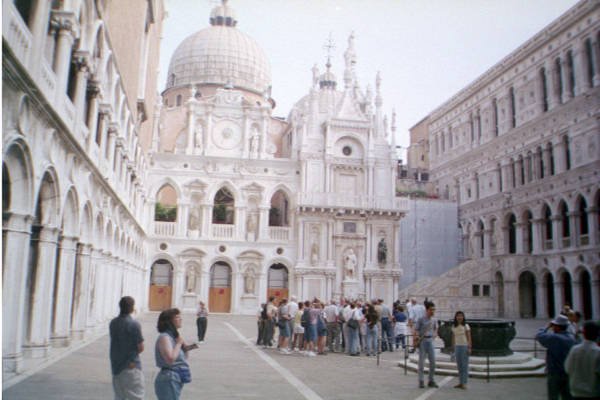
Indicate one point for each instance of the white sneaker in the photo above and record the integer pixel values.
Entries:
(284, 351)
(296, 349)
(312, 354)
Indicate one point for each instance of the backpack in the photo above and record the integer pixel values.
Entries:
(305, 319)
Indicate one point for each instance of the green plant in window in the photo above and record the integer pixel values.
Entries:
(165, 213)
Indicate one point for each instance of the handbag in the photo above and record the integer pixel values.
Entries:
(352, 324)
(184, 372)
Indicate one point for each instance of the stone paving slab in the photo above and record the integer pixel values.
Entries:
(229, 366)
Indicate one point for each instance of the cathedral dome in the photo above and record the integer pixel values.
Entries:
(220, 55)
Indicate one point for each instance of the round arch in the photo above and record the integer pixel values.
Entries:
(161, 283)
(219, 292)
(527, 295)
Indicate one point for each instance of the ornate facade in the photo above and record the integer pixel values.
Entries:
(73, 193)
(519, 151)
(248, 205)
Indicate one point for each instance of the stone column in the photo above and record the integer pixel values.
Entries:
(93, 284)
(576, 290)
(263, 223)
(92, 92)
(527, 167)
(518, 176)
(593, 228)
(575, 239)
(41, 306)
(596, 57)
(556, 232)
(16, 234)
(81, 298)
(560, 160)
(546, 156)
(540, 305)
(300, 242)
(62, 60)
(331, 229)
(538, 235)
(487, 243)
(506, 172)
(110, 149)
(190, 131)
(183, 210)
(519, 237)
(240, 224)
(64, 291)
(80, 60)
(558, 297)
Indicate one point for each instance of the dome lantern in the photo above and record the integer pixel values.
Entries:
(223, 15)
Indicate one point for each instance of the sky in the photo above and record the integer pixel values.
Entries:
(426, 50)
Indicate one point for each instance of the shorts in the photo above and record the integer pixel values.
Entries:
(284, 330)
(310, 333)
(299, 329)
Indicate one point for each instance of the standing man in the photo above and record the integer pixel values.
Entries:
(387, 327)
(583, 365)
(426, 332)
(333, 327)
(126, 343)
(292, 310)
(558, 342)
(415, 312)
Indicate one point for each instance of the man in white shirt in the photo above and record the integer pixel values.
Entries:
(583, 365)
(333, 327)
(292, 310)
(416, 312)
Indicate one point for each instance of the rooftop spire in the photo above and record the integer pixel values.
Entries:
(328, 80)
(350, 60)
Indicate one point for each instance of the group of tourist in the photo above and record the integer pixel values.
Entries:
(170, 352)
(572, 356)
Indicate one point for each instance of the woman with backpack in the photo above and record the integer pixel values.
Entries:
(298, 339)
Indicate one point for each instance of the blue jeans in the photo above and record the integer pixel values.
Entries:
(461, 353)
(426, 349)
(387, 335)
(167, 385)
(372, 340)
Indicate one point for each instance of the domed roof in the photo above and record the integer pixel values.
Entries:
(221, 55)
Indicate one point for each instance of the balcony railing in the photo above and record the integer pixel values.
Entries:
(566, 242)
(348, 200)
(15, 32)
(222, 231)
(585, 240)
(548, 244)
(280, 233)
(164, 228)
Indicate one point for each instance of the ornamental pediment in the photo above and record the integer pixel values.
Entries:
(191, 253)
(250, 255)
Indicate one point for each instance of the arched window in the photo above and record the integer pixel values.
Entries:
(589, 57)
(529, 165)
(513, 108)
(544, 86)
(563, 212)
(223, 207)
(550, 150)
(528, 232)
(521, 171)
(548, 233)
(480, 230)
(567, 152)
(178, 100)
(25, 9)
(571, 71)
(512, 234)
(279, 211)
(499, 168)
(165, 209)
(495, 110)
(513, 173)
(540, 160)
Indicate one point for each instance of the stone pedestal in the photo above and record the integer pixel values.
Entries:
(350, 289)
(190, 302)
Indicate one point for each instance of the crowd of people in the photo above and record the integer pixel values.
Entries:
(354, 327)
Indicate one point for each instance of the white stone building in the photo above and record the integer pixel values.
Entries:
(519, 151)
(247, 205)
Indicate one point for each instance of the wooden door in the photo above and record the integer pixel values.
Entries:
(219, 293)
(219, 300)
(278, 282)
(161, 286)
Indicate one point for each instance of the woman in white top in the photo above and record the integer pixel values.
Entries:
(461, 341)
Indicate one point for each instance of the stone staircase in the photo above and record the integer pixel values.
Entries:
(516, 365)
(453, 290)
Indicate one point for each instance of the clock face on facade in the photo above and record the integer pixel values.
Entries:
(226, 135)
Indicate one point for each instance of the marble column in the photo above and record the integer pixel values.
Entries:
(38, 343)
(593, 228)
(62, 60)
(16, 234)
(556, 232)
(80, 61)
(560, 159)
(541, 303)
(580, 68)
(92, 92)
(64, 291)
(81, 298)
(538, 235)
(567, 85)
(596, 57)
(576, 289)
(520, 237)
(558, 297)
(546, 156)
(487, 241)
(554, 87)
(595, 299)
(263, 223)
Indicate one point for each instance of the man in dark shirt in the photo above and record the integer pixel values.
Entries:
(126, 343)
(558, 343)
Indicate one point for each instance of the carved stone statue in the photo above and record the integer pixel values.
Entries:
(254, 143)
(381, 252)
(190, 279)
(194, 219)
(314, 253)
(251, 226)
(198, 136)
(350, 265)
(249, 281)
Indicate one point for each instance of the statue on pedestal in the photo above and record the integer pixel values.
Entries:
(382, 251)
(350, 265)
(249, 281)
(190, 279)
(314, 254)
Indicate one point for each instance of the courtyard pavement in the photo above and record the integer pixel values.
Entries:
(229, 366)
